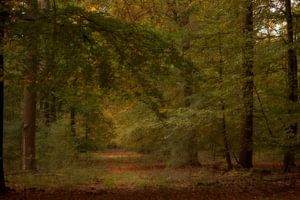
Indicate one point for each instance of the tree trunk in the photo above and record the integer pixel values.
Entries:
(193, 150)
(73, 122)
(29, 103)
(225, 139)
(291, 132)
(28, 129)
(3, 20)
(52, 108)
(87, 130)
(246, 139)
(44, 4)
(2, 180)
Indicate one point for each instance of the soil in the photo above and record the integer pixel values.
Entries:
(212, 192)
(263, 183)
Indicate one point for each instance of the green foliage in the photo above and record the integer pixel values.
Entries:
(12, 144)
(55, 146)
(128, 82)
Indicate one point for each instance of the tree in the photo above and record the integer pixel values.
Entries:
(292, 84)
(3, 21)
(29, 100)
(246, 137)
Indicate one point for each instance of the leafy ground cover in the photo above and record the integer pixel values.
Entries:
(129, 175)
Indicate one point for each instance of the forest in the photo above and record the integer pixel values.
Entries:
(149, 99)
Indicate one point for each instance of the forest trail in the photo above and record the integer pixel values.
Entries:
(127, 161)
(132, 176)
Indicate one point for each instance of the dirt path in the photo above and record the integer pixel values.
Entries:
(129, 176)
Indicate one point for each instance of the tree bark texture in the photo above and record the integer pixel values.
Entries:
(29, 103)
(292, 78)
(73, 121)
(28, 129)
(225, 139)
(3, 20)
(44, 4)
(246, 137)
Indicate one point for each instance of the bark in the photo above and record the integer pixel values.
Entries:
(44, 4)
(73, 122)
(225, 139)
(29, 103)
(87, 130)
(2, 180)
(53, 108)
(292, 129)
(193, 150)
(28, 129)
(246, 139)
(3, 20)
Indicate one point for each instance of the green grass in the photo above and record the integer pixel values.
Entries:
(126, 179)
(75, 175)
(92, 170)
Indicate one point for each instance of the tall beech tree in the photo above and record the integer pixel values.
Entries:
(246, 137)
(3, 20)
(29, 99)
(292, 78)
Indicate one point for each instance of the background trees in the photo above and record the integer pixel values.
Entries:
(189, 81)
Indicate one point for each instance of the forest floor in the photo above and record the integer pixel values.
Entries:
(131, 176)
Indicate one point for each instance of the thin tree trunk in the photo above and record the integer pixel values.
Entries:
(246, 139)
(2, 180)
(73, 122)
(52, 108)
(289, 157)
(44, 6)
(193, 150)
(86, 130)
(225, 139)
(3, 20)
(188, 89)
